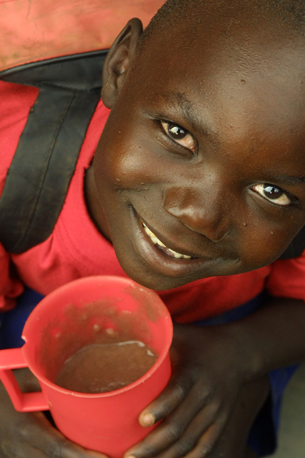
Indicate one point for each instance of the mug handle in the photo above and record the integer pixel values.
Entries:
(23, 402)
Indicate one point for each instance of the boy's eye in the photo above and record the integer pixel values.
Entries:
(272, 193)
(179, 135)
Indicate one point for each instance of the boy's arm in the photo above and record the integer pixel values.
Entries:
(212, 367)
(27, 435)
(30, 435)
(273, 337)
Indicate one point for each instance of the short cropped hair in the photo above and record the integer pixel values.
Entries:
(289, 13)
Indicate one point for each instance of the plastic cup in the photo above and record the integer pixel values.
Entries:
(70, 318)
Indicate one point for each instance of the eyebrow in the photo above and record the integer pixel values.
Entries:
(181, 103)
(288, 180)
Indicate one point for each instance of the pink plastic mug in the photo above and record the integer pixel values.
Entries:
(70, 318)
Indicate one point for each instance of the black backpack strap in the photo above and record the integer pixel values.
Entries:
(48, 149)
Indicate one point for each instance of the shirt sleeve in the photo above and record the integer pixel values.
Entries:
(287, 278)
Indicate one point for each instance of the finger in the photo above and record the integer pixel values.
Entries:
(189, 441)
(196, 442)
(206, 444)
(231, 438)
(167, 402)
(55, 444)
(182, 428)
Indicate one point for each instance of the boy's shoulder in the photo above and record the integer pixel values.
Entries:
(69, 90)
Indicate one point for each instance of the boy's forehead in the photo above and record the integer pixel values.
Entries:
(227, 58)
(214, 59)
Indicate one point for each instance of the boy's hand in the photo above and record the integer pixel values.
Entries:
(219, 380)
(208, 375)
(30, 435)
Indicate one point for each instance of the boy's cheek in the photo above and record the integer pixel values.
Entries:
(266, 244)
(127, 165)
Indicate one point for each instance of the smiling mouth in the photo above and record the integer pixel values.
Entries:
(160, 245)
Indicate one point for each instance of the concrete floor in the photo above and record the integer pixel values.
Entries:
(292, 430)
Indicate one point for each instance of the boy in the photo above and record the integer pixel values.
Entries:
(198, 177)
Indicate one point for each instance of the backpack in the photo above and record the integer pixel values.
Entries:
(70, 88)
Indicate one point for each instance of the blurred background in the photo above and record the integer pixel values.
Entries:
(292, 429)
(32, 30)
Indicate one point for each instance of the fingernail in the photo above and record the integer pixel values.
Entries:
(147, 420)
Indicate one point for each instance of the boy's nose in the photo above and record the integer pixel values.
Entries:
(205, 212)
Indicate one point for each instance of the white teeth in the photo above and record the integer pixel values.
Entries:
(158, 242)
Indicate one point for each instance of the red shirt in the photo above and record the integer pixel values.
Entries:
(76, 249)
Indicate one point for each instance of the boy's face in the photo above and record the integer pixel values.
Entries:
(200, 170)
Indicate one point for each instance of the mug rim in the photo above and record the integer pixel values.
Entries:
(164, 353)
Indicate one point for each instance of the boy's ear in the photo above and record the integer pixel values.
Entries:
(118, 61)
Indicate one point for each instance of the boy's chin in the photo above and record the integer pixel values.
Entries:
(146, 276)
(153, 280)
